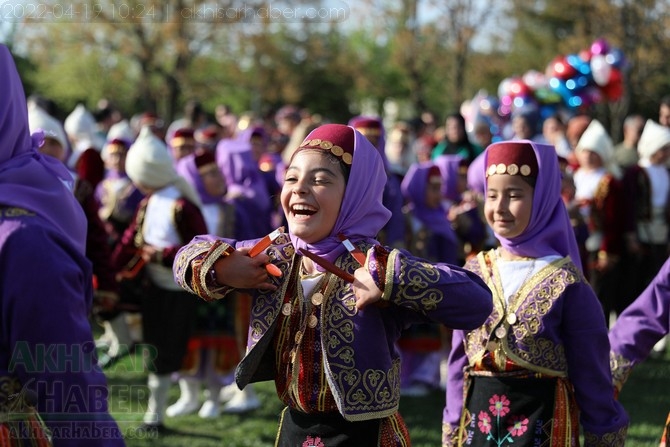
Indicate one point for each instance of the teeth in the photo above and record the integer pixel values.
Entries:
(302, 208)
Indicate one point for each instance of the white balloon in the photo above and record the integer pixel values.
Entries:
(600, 69)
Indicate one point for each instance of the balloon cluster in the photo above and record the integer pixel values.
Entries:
(574, 81)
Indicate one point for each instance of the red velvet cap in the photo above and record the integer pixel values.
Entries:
(204, 158)
(183, 136)
(434, 174)
(512, 158)
(117, 142)
(368, 126)
(338, 139)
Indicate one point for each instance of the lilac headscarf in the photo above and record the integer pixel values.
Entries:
(477, 174)
(362, 214)
(29, 179)
(414, 186)
(449, 167)
(234, 158)
(549, 231)
(187, 168)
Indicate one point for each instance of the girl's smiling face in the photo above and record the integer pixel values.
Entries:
(508, 205)
(312, 194)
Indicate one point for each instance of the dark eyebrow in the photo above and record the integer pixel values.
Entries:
(313, 171)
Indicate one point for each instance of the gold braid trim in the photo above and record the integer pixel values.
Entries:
(621, 368)
(201, 270)
(612, 439)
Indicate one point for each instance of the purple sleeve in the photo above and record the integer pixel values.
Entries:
(444, 293)
(47, 339)
(645, 321)
(587, 348)
(454, 392)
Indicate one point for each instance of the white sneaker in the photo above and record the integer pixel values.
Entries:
(210, 409)
(182, 407)
(228, 392)
(245, 400)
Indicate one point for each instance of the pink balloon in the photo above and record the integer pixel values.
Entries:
(600, 46)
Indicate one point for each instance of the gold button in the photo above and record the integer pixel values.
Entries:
(317, 298)
(286, 309)
(298, 337)
(312, 321)
(500, 332)
(511, 318)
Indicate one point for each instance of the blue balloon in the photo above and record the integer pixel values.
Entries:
(616, 58)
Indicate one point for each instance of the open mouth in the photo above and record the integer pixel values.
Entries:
(302, 210)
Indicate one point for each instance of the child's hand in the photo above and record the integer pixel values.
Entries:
(365, 289)
(240, 271)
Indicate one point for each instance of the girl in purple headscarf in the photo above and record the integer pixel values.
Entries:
(326, 335)
(46, 292)
(539, 366)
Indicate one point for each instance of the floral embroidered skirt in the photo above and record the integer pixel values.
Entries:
(297, 429)
(515, 409)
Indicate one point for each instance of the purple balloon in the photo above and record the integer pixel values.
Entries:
(600, 46)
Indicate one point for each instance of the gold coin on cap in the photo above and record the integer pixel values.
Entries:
(312, 321)
(317, 298)
(525, 170)
(326, 144)
(305, 143)
(316, 142)
(337, 151)
(347, 158)
(501, 168)
(286, 309)
(512, 169)
(491, 170)
(501, 331)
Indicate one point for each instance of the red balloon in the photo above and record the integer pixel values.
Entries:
(585, 55)
(518, 88)
(560, 69)
(614, 88)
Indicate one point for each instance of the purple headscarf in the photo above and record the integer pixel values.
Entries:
(477, 174)
(362, 214)
(414, 186)
(29, 179)
(187, 168)
(449, 167)
(549, 231)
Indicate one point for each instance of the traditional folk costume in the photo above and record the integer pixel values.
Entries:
(430, 236)
(600, 195)
(638, 329)
(464, 207)
(335, 368)
(647, 187)
(245, 184)
(393, 233)
(166, 219)
(117, 194)
(219, 336)
(539, 365)
(47, 361)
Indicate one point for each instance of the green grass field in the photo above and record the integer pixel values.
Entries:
(645, 398)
